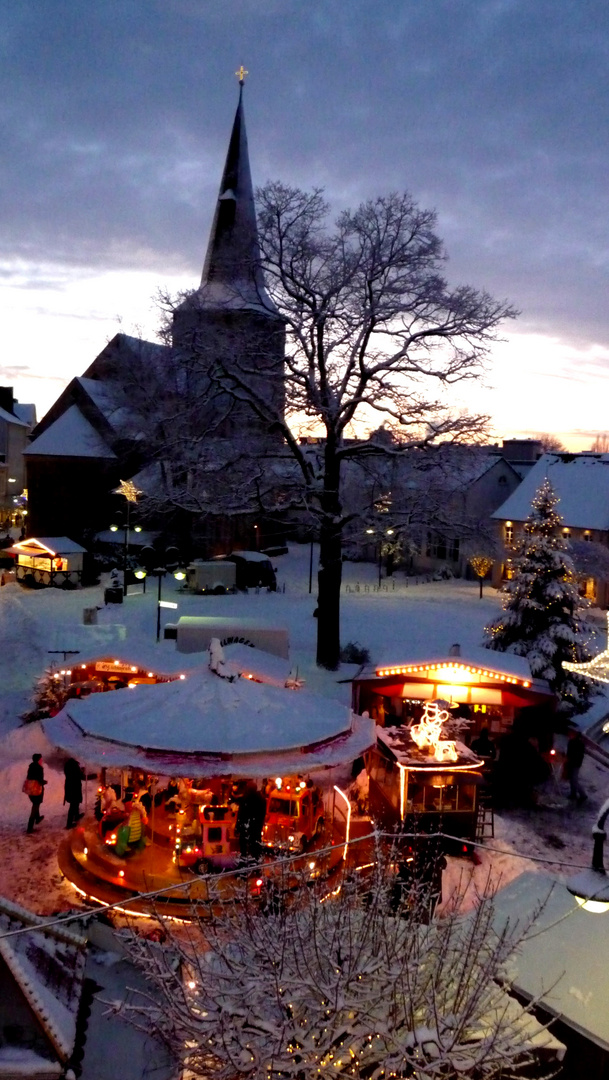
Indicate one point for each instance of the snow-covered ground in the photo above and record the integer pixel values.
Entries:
(388, 622)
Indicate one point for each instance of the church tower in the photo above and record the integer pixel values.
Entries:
(229, 325)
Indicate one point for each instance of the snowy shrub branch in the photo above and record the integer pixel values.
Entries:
(351, 979)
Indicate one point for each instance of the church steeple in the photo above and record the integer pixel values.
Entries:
(231, 273)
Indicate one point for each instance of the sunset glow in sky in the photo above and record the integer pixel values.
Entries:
(115, 121)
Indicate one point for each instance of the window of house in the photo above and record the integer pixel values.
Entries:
(587, 535)
(509, 532)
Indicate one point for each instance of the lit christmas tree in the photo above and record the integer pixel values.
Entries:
(49, 696)
(543, 616)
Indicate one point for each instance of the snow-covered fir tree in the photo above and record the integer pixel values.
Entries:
(49, 696)
(543, 616)
(349, 978)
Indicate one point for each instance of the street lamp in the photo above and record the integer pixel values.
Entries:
(159, 573)
(129, 490)
(591, 887)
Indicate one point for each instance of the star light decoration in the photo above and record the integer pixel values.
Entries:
(596, 668)
(129, 490)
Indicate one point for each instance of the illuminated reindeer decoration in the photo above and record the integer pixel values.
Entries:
(427, 733)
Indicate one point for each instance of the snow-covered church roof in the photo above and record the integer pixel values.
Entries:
(71, 435)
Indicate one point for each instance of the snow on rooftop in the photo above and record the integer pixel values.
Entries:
(48, 964)
(261, 665)
(26, 413)
(581, 482)
(564, 963)
(469, 656)
(250, 556)
(208, 714)
(58, 545)
(11, 419)
(71, 435)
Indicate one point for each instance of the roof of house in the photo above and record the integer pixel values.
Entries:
(565, 960)
(25, 412)
(581, 482)
(48, 964)
(11, 418)
(71, 435)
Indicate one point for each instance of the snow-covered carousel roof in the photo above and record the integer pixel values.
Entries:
(208, 724)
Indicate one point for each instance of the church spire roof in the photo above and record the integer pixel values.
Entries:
(231, 273)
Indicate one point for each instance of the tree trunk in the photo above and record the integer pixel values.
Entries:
(330, 566)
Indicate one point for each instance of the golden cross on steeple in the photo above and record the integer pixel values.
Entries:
(241, 73)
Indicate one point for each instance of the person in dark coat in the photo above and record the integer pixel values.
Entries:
(72, 791)
(484, 746)
(250, 821)
(35, 773)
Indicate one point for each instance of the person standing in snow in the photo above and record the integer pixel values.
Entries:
(576, 749)
(34, 789)
(72, 790)
(250, 821)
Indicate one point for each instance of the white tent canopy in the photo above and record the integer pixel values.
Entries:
(203, 719)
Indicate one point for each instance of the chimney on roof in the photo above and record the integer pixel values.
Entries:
(455, 650)
(7, 399)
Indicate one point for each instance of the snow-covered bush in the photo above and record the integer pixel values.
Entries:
(344, 978)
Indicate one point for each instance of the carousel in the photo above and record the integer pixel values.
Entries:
(230, 764)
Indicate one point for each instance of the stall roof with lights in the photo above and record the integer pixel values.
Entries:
(46, 546)
(425, 674)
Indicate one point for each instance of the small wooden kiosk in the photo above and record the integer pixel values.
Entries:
(488, 688)
(48, 560)
(420, 776)
(422, 781)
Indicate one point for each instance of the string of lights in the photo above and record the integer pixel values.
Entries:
(118, 905)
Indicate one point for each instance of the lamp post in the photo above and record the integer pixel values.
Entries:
(379, 534)
(591, 887)
(129, 490)
(159, 573)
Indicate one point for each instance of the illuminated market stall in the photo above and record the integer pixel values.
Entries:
(428, 711)
(488, 688)
(48, 560)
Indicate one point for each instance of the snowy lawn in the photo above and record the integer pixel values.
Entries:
(388, 623)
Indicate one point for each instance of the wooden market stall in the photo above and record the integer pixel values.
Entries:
(423, 782)
(489, 689)
(440, 783)
(48, 561)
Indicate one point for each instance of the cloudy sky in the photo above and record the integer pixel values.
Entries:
(115, 118)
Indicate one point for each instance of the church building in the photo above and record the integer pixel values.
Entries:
(226, 330)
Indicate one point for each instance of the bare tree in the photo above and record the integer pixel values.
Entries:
(352, 978)
(375, 336)
(551, 444)
(601, 444)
